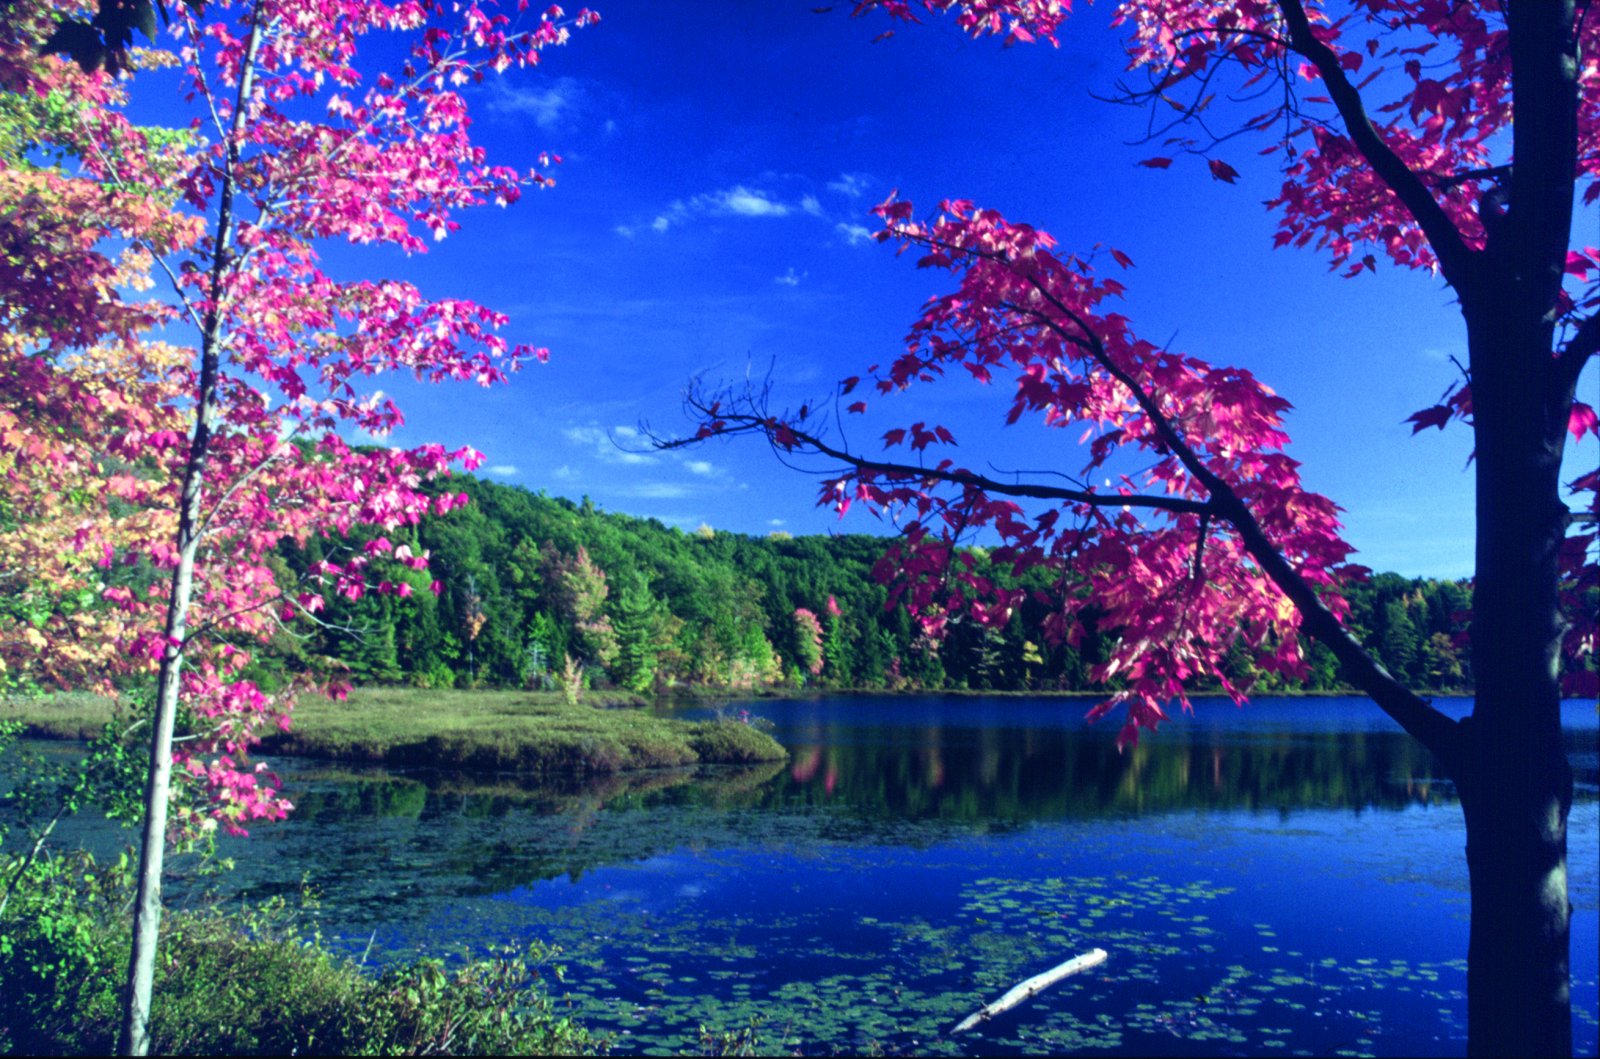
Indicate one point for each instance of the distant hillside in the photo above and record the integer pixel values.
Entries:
(527, 581)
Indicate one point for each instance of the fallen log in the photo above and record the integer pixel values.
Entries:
(1033, 986)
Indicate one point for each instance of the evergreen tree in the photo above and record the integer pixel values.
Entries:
(1399, 646)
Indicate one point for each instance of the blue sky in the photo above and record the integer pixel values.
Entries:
(710, 219)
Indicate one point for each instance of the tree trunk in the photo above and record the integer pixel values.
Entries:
(1518, 993)
(134, 1036)
(1513, 775)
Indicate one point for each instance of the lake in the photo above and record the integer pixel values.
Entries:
(1284, 879)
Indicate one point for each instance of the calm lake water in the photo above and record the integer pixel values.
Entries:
(1288, 878)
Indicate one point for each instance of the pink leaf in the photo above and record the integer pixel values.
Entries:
(1223, 171)
(1582, 420)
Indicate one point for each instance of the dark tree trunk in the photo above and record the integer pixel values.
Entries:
(1514, 779)
(1515, 783)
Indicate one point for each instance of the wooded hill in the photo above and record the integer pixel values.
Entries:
(521, 582)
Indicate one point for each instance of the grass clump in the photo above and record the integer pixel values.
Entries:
(731, 742)
(243, 982)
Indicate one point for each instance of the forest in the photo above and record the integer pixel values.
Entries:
(524, 590)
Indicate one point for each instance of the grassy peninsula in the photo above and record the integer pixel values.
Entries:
(505, 731)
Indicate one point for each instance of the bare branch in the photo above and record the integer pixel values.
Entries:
(753, 423)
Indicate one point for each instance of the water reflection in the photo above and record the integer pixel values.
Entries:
(898, 772)
(962, 775)
(1018, 774)
(1035, 760)
(912, 855)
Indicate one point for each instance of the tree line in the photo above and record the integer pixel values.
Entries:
(523, 589)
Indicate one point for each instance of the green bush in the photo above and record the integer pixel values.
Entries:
(243, 982)
(59, 965)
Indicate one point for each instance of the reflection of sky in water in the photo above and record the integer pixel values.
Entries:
(1288, 874)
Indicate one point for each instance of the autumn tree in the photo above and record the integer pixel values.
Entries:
(1448, 137)
(808, 641)
(209, 453)
(580, 590)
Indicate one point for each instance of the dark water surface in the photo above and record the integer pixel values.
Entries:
(1284, 879)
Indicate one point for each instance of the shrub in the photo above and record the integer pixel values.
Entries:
(244, 982)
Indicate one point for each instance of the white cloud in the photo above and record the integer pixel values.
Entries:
(610, 127)
(854, 234)
(547, 105)
(504, 470)
(737, 201)
(791, 278)
(775, 522)
(565, 472)
(810, 204)
(853, 185)
(626, 231)
(604, 448)
(700, 467)
(746, 203)
(655, 491)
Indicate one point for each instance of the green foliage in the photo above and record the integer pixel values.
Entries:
(526, 579)
(730, 742)
(59, 957)
(244, 982)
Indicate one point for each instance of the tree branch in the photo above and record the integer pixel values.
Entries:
(1585, 343)
(1454, 256)
(1418, 717)
(753, 423)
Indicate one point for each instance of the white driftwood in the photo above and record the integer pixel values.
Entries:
(1033, 986)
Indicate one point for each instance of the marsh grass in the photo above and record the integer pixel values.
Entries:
(502, 731)
(59, 715)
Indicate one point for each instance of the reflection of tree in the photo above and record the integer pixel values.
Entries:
(371, 838)
(349, 796)
(1016, 775)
